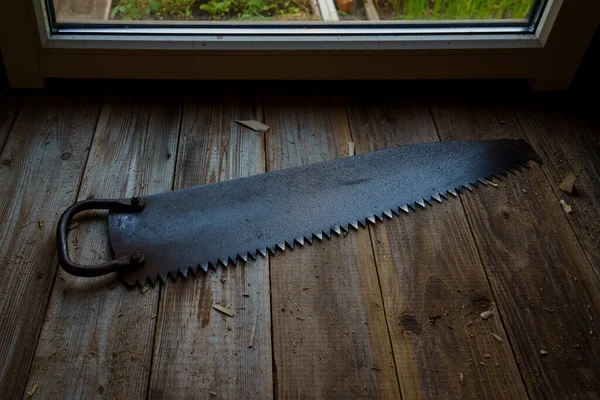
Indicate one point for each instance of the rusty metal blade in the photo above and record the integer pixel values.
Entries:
(227, 221)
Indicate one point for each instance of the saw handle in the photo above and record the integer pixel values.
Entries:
(115, 206)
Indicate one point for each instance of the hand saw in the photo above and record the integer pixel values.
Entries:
(186, 230)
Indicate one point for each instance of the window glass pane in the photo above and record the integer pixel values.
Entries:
(267, 12)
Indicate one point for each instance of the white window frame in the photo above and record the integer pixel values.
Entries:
(548, 55)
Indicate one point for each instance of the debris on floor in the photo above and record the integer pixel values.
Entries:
(568, 184)
(498, 338)
(461, 378)
(32, 391)
(41, 223)
(350, 148)
(223, 310)
(486, 314)
(255, 125)
(494, 184)
(144, 289)
(566, 207)
(543, 352)
(73, 225)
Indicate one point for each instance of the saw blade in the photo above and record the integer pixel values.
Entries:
(183, 231)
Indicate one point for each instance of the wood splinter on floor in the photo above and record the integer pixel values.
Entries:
(223, 310)
(32, 391)
(254, 125)
(568, 184)
(350, 148)
(494, 184)
(498, 338)
(566, 207)
(486, 314)
(461, 378)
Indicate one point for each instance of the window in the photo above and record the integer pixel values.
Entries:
(540, 40)
(289, 12)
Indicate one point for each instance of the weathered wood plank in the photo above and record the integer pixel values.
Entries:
(568, 146)
(9, 107)
(201, 352)
(433, 283)
(329, 331)
(544, 285)
(98, 334)
(42, 165)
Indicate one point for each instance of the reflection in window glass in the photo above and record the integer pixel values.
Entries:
(288, 10)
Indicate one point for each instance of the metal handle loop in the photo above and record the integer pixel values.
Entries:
(135, 259)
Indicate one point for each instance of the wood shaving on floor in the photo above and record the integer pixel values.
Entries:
(223, 310)
(254, 125)
(568, 184)
(32, 391)
(566, 207)
(486, 314)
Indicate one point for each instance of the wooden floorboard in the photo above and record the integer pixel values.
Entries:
(546, 290)
(98, 335)
(434, 286)
(8, 114)
(329, 332)
(200, 352)
(388, 311)
(42, 165)
(568, 145)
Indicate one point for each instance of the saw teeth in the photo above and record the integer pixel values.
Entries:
(185, 272)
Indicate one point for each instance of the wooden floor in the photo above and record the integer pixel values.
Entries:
(390, 311)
